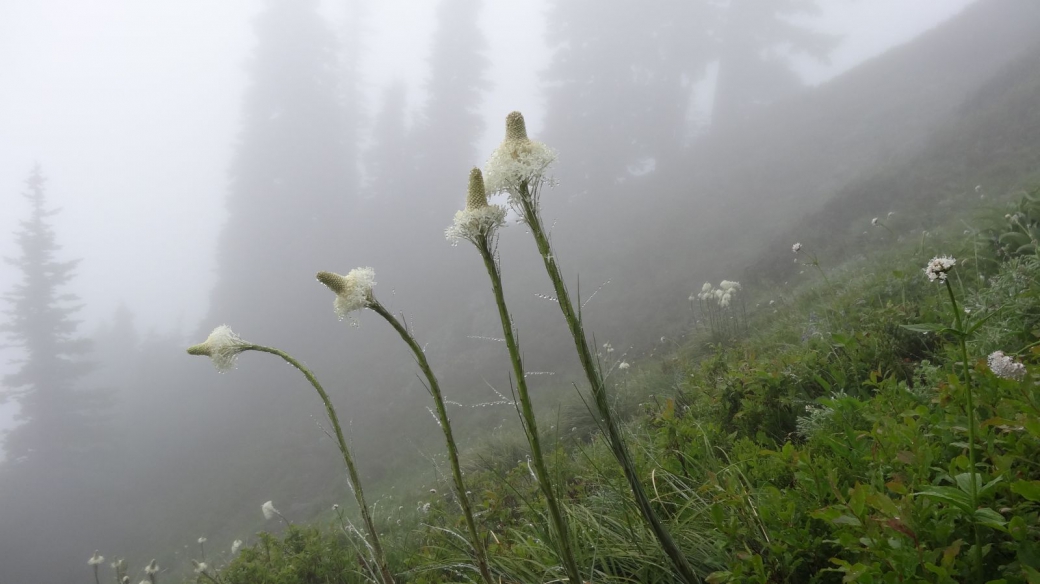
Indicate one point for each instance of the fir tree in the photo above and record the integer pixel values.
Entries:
(58, 419)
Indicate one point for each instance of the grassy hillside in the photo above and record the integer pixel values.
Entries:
(814, 435)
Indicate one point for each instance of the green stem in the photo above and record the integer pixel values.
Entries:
(541, 471)
(971, 422)
(599, 392)
(479, 551)
(359, 495)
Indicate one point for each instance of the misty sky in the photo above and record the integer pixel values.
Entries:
(132, 109)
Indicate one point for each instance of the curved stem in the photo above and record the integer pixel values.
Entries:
(541, 471)
(971, 422)
(599, 391)
(479, 551)
(359, 495)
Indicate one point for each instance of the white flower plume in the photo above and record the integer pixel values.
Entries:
(518, 161)
(478, 219)
(222, 346)
(152, 568)
(796, 248)
(939, 267)
(353, 291)
(269, 511)
(95, 560)
(236, 546)
(1006, 367)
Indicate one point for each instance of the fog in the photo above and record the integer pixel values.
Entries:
(209, 157)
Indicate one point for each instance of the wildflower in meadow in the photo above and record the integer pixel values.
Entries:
(95, 560)
(937, 269)
(518, 164)
(875, 222)
(623, 365)
(203, 540)
(796, 248)
(478, 219)
(353, 291)
(269, 511)
(222, 346)
(1005, 367)
(151, 568)
(200, 567)
(235, 546)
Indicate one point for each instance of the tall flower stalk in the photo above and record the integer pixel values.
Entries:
(478, 223)
(353, 292)
(223, 346)
(518, 168)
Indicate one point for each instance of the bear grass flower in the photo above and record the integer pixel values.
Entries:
(938, 267)
(478, 219)
(95, 560)
(269, 511)
(152, 568)
(353, 291)
(517, 162)
(235, 546)
(1005, 367)
(222, 346)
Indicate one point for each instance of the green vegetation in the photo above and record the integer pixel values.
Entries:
(841, 438)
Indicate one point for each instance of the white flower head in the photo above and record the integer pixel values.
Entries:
(875, 221)
(518, 162)
(203, 540)
(796, 248)
(729, 285)
(269, 511)
(200, 567)
(1005, 367)
(939, 267)
(96, 559)
(623, 365)
(478, 219)
(152, 568)
(353, 291)
(706, 287)
(222, 346)
(235, 546)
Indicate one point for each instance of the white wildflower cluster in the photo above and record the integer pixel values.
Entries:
(471, 224)
(1005, 367)
(222, 346)
(518, 162)
(796, 248)
(875, 222)
(95, 560)
(478, 220)
(353, 291)
(200, 567)
(939, 267)
(202, 540)
(152, 568)
(722, 295)
(269, 511)
(623, 365)
(235, 546)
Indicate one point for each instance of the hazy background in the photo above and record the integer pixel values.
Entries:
(209, 158)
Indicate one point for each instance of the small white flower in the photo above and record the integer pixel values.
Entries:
(433, 491)
(222, 346)
(424, 509)
(269, 511)
(518, 161)
(623, 365)
(235, 546)
(335, 506)
(1006, 367)
(95, 560)
(200, 567)
(796, 248)
(471, 224)
(728, 285)
(772, 302)
(939, 267)
(875, 222)
(152, 568)
(202, 540)
(706, 287)
(353, 291)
